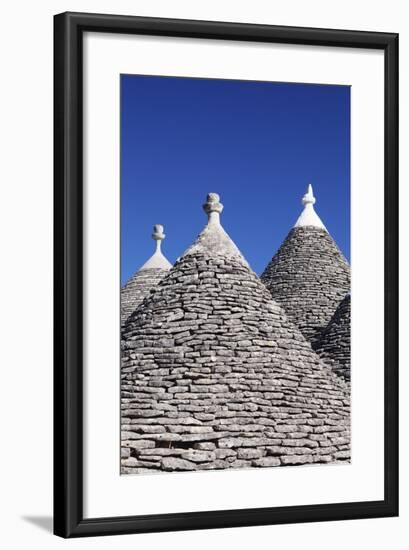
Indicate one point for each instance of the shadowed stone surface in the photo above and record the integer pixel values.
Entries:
(334, 346)
(137, 288)
(309, 277)
(214, 376)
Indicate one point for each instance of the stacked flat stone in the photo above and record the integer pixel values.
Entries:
(308, 276)
(145, 279)
(214, 376)
(334, 346)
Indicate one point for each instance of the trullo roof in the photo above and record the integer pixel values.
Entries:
(309, 275)
(334, 346)
(146, 278)
(214, 376)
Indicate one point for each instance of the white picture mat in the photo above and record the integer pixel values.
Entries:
(107, 493)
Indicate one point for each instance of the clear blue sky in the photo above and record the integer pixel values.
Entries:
(257, 144)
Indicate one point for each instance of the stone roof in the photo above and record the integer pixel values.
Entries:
(146, 278)
(334, 346)
(214, 376)
(309, 275)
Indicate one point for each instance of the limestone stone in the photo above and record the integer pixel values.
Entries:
(247, 453)
(267, 461)
(204, 446)
(296, 459)
(199, 456)
(170, 463)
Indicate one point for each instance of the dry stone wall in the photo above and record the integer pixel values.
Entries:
(137, 288)
(214, 376)
(334, 346)
(308, 277)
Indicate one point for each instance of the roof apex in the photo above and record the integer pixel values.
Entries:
(213, 240)
(157, 260)
(308, 217)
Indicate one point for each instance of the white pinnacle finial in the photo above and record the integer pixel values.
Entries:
(308, 216)
(158, 235)
(157, 260)
(213, 208)
(308, 198)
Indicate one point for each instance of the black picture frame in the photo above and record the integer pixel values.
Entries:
(68, 275)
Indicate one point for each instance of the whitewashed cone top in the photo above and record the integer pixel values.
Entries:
(309, 217)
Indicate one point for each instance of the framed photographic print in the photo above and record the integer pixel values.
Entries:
(242, 369)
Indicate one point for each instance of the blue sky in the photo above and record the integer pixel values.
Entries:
(257, 144)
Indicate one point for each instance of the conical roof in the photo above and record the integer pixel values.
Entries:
(309, 275)
(214, 375)
(334, 346)
(146, 278)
